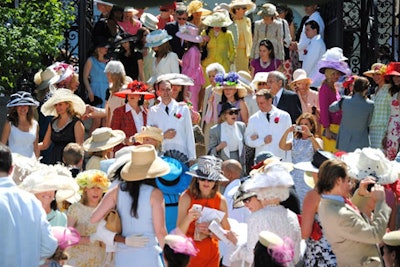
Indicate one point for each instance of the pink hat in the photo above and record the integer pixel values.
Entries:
(66, 236)
(190, 33)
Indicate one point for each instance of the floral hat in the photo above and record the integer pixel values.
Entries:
(136, 88)
(157, 38)
(376, 68)
(208, 167)
(22, 98)
(393, 69)
(217, 19)
(197, 6)
(334, 59)
(92, 178)
(189, 33)
(230, 80)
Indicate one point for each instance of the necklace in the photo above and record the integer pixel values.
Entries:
(264, 65)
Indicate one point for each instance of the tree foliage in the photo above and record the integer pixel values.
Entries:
(30, 33)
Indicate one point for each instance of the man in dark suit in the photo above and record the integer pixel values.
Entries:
(177, 44)
(283, 99)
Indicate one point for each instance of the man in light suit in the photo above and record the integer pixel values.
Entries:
(353, 236)
(266, 126)
(282, 98)
(174, 120)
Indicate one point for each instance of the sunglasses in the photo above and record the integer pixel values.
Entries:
(233, 112)
(247, 200)
(204, 179)
(181, 18)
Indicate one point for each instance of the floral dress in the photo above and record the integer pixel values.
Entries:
(393, 131)
(88, 255)
(319, 253)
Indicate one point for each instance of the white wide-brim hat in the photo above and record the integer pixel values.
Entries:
(371, 162)
(63, 95)
(217, 19)
(259, 77)
(299, 75)
(242, 3)
(176, 79)
(103, 138)
(157, 38)
(149, 21)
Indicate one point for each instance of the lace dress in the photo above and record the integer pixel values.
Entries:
(319, 253)
(302, 150)
(393, 131)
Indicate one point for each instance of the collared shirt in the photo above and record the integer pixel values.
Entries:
(278, 96)
(137, 117)
(25, 233)
(333, 197)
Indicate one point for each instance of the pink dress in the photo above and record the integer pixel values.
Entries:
(129, 27)
(191, 66)
(393, 131)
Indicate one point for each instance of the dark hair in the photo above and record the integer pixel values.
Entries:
(267, 43)
(140, 35)
(5, 159)
(175, 259)
(263, 258)
(313, 25)
(194, 188)
(133, 188)
(394, 88)
(190, 44)
(223, 29)
(224, 99)
(360, 84)
(140, 102)
(13, 115)
(329, 172)
(311, 119)
(395, 249)
(163, 50)
(180, 97)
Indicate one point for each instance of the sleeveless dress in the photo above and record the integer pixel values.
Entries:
(302, 150)
(61, 138)
(319, 253)
(209, 252)
(22, 142)
(143, 225)
(98, 79)
(393, 131)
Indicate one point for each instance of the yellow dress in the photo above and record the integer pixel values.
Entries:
(90, 255)
(245, 44)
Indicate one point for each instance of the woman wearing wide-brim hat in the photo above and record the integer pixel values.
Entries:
(203, 191)
(150, 135)
(166, 61)
(196, 12)
(231, 90)
(66, 126)
(132, 116)
(392, 138)
(381, 98)
(141, 208)
(218, 41)
(21, 130)
(333, 65)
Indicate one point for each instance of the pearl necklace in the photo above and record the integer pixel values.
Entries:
(264, 65)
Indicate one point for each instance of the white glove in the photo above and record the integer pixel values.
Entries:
(103, 234)
(137, 241)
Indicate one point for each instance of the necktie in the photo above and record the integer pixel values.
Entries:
(268, 116)
(167, 110)
(275, 101)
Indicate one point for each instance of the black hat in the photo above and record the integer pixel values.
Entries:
(125, 37)
(101, 41)
(227, 106)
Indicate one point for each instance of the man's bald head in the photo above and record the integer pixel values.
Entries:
(232, 169)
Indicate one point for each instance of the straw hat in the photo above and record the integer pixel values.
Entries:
(208, 167)
(103, 138)
(44, 79)
(217, 19)
(177, 180)
(136, 88)
(22, 98)
(376, 68)
(229, 81)
(392, 238)
(393, 69)
(242, 3)
(93, 178)
(259, 77)
(144, 164)
(66, 236)
(63, 95)
(157, 38)
(122, 157)
(334, 59)
(197, 6)
(151, 132)
(300, 75)
(245, 79)
(149, 21)
(189, 33)
(371, 162)
(268, 10)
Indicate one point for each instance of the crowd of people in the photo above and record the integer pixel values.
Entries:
(204, 139)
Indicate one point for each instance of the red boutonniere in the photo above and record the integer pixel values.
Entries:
(276, 120)
(178, 115)
(305, 52)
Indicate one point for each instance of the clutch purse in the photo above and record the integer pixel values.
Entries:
(113, 221)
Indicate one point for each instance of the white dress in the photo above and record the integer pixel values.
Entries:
(22, 142)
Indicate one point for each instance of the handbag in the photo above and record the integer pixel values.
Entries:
(316, 233)
(113, 221)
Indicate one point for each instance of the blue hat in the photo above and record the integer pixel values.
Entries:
(176, 181)
(157, 38)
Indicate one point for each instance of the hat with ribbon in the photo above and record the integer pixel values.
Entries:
(22, 98)
(229, 81)
(189, 33)
(334, 59)
(144, 164)
(149, 21)
(44, 78)
(208, 167)
(125, 37)
(177, 180)
(103, 138)
(63, 95)
(136, 88)
(371, 162)
(217, 19)
(376, 68)
(66, 236)
(157, 38)
(196, 6)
